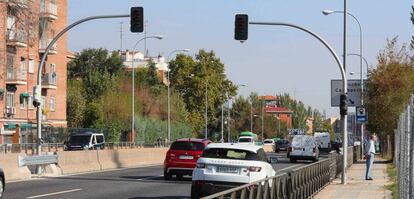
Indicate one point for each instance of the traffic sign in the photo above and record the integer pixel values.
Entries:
(354, 92)
(361, 114)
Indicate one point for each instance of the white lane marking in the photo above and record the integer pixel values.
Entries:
(52, 194)
(149, 178)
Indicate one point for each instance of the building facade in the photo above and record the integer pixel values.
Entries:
(26, 28)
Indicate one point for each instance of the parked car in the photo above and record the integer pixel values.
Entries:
(226, 165)
(181, 158)
(85, 141)
(304, 147)
(269, 142)
(2, 183)
(281, 145)
(323, 141)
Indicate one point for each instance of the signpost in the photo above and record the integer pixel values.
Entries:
(353, 91)
(361, 114)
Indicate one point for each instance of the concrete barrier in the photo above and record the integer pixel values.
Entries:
(85, 161)
(12, 171)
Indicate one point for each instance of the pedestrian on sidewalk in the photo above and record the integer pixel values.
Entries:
(370, 156)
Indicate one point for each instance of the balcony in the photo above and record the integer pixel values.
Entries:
(48, 10)
(18, 3)
(16, 38)
(49, 81)
(16, 77)
(43, 45)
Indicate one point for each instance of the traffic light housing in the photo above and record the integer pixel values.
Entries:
(137, 19)
(343, 104)
(241, 27)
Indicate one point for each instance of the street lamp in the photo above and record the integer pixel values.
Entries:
(363, 58)
(168, 85)
(133, 83)
(328, 12)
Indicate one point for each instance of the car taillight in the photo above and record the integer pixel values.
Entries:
(255, 169)
(201, 165)
(171, 155)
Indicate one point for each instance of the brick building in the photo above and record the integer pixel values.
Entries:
(26, 28)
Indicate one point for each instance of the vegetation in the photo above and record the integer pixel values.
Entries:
(392, 173)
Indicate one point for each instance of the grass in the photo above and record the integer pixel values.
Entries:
(392, 173)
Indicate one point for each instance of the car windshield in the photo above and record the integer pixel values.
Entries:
(268, 141)
(187, 146)
(223, 153)
(79, 139)
(283, 142)
(245, 140)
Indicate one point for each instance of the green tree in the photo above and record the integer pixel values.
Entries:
(76, 103)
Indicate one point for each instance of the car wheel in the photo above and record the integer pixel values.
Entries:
(1, 187)
(167, 176)
(292, 160)
(195, 193)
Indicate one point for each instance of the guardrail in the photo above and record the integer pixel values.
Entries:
(302, 182)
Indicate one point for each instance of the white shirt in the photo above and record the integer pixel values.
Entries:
(371, 147)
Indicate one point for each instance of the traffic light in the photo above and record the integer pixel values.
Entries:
(343, 104)
(137, 19)
(241, 27)
(36, 95)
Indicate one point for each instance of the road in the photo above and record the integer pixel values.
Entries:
(131, 183)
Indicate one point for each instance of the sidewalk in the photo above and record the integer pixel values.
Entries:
(357, 187)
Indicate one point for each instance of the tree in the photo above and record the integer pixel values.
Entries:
(389, 87)
(191, 78)
(76, 104)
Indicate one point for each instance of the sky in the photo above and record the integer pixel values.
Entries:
(274, 59)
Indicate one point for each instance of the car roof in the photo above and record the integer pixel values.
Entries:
(247, 147)
(192, 140)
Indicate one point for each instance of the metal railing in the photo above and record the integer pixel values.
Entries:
(49, 79)
(404, 151)
(14, 74)
(30, 148)
(302, 182)
(16, 35)
(48, 8)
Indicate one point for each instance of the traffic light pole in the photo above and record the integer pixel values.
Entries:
(38, 87)
(344, 86)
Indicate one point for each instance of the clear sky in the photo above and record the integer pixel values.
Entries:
(274, 59)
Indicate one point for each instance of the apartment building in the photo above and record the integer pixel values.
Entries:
(26, 28)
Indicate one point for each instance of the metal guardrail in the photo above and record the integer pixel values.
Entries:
(302, 182)
(37, 160)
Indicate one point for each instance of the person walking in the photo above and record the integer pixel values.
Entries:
(370, 156)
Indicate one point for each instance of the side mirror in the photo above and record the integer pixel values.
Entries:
(273, 160)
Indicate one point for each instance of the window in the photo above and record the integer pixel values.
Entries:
(43, 102)
(31, 66)
(223, 153)
(23, 101)
(10, 99)
(187, 146)
(30, 102)
(23, 68)
(52, 104)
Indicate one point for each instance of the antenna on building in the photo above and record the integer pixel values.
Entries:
(121, 32)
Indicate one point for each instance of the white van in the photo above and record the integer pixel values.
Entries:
(323, 140)
(304, 147)
(85, 141)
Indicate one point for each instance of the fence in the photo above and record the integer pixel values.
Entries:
(302, 182)
(404, 141)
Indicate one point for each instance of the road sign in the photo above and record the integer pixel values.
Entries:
(361, 115)
(37, 160)
(354, 92)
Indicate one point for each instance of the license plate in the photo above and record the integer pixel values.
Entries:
(186, 157)
(227, 170)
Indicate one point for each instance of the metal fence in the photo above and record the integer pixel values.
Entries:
(404, 145)
(302, 182)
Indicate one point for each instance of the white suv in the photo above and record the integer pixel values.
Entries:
(223, 166)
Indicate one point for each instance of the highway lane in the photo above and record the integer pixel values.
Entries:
(131, 183)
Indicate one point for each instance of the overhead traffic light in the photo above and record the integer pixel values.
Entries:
(137, 19)
(241, 27)
(343, 104)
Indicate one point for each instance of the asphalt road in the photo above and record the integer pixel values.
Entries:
(131, 183)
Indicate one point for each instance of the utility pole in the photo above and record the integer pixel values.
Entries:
(121, 32)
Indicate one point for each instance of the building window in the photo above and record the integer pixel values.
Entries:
(52, 104)
(42, 105)
(30, 102)
(23, 101)
(10, 99)
(31, 66)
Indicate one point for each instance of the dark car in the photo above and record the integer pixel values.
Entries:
(336, 145)
(2, 183)
(281, 145)
(181, 158)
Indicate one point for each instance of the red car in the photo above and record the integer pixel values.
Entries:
(182, 157)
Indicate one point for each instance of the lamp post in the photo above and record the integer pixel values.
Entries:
(133, 84)
(363, 58)
(168, 85)
(328, 12)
